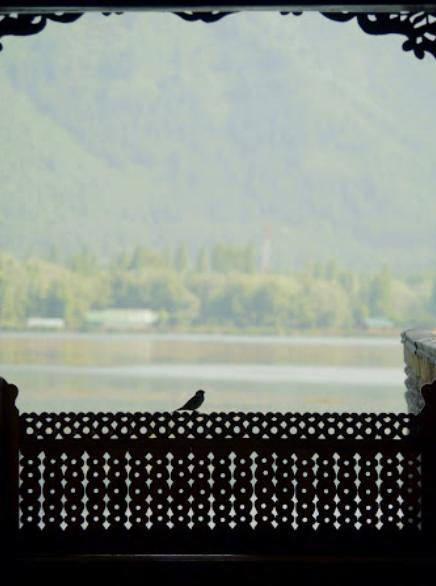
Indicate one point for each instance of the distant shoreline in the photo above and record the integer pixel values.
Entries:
(297, 338)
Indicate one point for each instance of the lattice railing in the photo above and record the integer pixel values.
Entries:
(219, 473)
(193, 425)
(196, 482)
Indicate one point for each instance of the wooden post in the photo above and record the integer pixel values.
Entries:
(8, 469)
(427, 419)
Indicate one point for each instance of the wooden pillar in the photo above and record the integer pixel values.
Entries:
(427, 419)
(8, 469)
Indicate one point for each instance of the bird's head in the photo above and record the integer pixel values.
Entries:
(200, 393)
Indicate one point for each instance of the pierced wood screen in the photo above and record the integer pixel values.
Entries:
(225, 476)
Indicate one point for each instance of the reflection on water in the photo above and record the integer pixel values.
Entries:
(139, 372)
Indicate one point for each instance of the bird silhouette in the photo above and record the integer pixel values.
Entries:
(194, 402)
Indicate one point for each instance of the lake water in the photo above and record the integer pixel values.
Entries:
(81, 372)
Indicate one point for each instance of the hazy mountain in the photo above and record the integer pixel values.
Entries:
(144, 129)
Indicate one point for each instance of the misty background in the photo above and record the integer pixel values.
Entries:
(265, 175)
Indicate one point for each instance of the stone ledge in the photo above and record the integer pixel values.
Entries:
(422, 342)
(420, 359)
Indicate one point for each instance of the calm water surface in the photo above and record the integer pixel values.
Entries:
(244, 373)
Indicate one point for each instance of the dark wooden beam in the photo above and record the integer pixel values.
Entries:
(226, 6)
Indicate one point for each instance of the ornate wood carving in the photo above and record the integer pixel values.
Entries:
(233, 425)
(221, 478)
(31, 24)
(419, 28)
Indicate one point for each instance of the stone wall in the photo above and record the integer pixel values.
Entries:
(420, 361)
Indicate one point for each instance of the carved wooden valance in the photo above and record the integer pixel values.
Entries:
(418, 29)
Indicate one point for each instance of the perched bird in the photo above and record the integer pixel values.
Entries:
(194, 402)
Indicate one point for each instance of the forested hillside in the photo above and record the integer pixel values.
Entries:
(293, 133)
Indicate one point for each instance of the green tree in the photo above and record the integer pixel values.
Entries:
(380, 294)
(13, 292)
(144, 258)
(324, 304)
(233, 258)
(181, 259)
(85, 263)
(432, 300)
(331, 271)
(202, 260)
(273, 303)
(231, 303)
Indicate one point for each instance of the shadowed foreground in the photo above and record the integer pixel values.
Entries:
(186, 496)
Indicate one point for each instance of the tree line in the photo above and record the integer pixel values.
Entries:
(220, 288)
